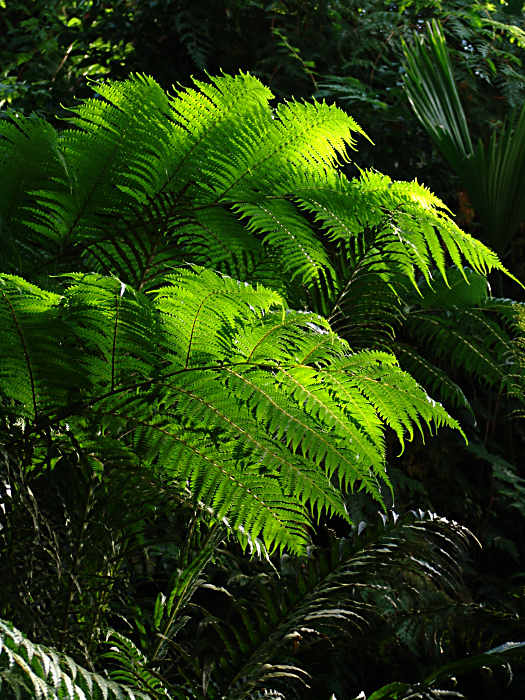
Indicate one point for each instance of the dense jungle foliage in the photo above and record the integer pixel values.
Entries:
(261, 404)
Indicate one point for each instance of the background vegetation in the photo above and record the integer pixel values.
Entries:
(162, 579)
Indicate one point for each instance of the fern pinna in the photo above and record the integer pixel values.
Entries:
(194, 290)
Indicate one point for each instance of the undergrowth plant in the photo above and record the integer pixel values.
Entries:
(201, 320)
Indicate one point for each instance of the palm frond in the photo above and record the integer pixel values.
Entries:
(494, 173)
(496, 182)
(432, 92)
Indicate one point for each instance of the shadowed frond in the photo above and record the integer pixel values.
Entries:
(29, 155)
(343, 591)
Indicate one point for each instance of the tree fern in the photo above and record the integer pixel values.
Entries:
(213, 175)
(229, 332)
(162, 166)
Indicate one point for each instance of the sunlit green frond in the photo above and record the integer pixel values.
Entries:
(199, 310)
(288, 233)
(395, 395)
(301, 138)
(422, 226)
(395, 228)
(213, 176)
(223, 122)
(282, 336)
(258, 410)
(106, 158)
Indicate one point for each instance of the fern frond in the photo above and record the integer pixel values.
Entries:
(471, 340)
(199, 309)
(436, 379)
(30, 357)
(172, 169)
(29, 670)
(115, 326)
(106, 159)
(205, 116)
(29, 154)
(258, 410)
(301, 138)
(420, 222)
(395, 395)
(334, 596)
(288, 233)
(215, 238)
(132, 666)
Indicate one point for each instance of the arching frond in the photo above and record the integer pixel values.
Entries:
(343, 591)
(214, 384)
(214, 165)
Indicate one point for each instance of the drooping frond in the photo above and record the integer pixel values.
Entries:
(416, 231)
(458, 327)
(436, 379)
(473, 339)
(214, 384)
(289, 235)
